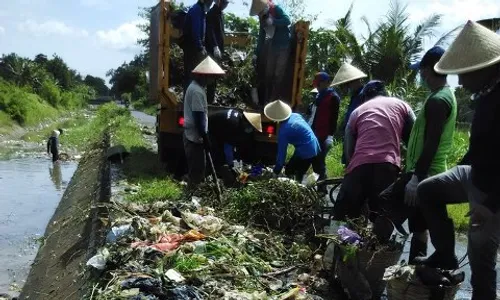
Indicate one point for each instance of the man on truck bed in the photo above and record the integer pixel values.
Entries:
(349, 77)
(273, 46)
(232, 129)
(196, 141)
(293, 130)
(215, 38)
(372, 142)
(475, 56)
(324, 113)
(194, 38)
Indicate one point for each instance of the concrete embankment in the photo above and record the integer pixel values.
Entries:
(75, 231)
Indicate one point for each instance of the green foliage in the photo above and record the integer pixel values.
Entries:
(98, 84)
(156, 190)
(51, 93)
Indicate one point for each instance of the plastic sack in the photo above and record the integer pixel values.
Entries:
(118, 231)
(99, 260)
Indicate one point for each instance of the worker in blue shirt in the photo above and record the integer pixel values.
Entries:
(293, 130)
(194, 38)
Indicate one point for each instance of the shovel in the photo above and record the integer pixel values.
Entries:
(214, 175)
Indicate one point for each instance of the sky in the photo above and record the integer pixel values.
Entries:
(93, 36)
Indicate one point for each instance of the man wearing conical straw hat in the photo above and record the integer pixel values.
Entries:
(196, 141)
(230, 130)
(475, 57)
(273, 48)
(293, 130)
(351, 78)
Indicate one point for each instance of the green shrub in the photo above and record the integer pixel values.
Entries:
(50, 93)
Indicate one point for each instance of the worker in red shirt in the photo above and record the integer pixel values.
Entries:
(323, 115)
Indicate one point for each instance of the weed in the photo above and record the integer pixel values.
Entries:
(156, 190)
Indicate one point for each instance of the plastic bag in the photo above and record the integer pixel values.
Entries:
(99, 260)
(118, 231)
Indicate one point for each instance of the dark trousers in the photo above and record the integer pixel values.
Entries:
(363, 185)
(55, 156)
(451, 187)
(297, 167)
(196, 160)
(321, 160)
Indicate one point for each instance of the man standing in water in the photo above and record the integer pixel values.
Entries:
(475, 57)
(53, 145)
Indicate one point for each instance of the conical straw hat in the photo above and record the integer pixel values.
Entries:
(254, 119)
(257, 7)
(347, 73)
(476, 47)
(314, 90)
(208, 67)
(277, 111)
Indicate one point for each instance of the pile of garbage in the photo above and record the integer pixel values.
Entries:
(277, 204)
(175, 250)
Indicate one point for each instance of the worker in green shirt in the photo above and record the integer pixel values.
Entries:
(428, 147)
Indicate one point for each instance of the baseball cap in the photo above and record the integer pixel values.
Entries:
(321, 76)
(431, 57)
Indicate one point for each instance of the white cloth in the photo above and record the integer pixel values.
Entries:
(195, 100)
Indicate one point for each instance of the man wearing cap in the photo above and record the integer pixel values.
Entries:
(232, 129)
(323, 114)
(351, 78)
(194, 38)
(293, 130)
(196, 141)
(475, 57)
(215, 38)
(372, 142)
(272, 51)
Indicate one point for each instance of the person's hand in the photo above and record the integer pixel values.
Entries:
(217, 52)
(411, 198)
(329, 142)
(479, 214)
(269, 21)
(203, 53)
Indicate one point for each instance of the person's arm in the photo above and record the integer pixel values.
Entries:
(229, 154)
(211, 40)
(282, 147)
(408, 126)
(282, 19)
(260, 40)
(334, 114)
(349, 143)
(196, 31)
(436, 113)
(199, 115)
(48, 145)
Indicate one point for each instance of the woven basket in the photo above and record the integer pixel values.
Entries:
(374, 264)
(399, 289)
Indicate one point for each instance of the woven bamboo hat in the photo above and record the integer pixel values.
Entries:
(257, 7)
(208, 67)
(347, 73)
(476, 47)
(277, 111)
(254, 119)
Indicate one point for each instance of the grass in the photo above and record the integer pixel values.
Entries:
(6, 123)
(66, 125)
(158, 189)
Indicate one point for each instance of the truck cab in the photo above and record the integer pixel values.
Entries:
(170, 119)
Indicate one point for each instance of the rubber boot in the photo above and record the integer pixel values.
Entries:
(444, 242)
(418, 247)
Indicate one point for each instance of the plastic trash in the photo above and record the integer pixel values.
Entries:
(144, 284)
(99, 260)
(310, 179)
(184, 293)
(174, 276)
(348, 235)
(118, 231)
(205, 224)
(196, 201)
(200, 247)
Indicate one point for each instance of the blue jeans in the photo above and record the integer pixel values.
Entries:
(455, 186)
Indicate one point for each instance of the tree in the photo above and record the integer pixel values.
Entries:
(98, 84)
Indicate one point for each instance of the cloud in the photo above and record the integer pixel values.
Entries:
(99, 4)
(2, 30)
(457, 12)
(124, 37)
(51, 28)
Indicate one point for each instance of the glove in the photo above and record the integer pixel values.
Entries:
(329, 142)
(217, 53)
(411, 192)
(269, 21)
(203, 53)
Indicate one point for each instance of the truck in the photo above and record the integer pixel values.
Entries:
(170, 119)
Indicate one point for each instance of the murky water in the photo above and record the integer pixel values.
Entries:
(30, 190)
